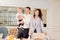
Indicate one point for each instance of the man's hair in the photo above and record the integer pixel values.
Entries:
(28, 8)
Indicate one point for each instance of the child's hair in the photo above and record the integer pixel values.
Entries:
(19, 8)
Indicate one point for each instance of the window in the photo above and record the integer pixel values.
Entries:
(8, 16)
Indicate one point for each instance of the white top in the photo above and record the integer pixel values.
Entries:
(17, 16)
(27, 19)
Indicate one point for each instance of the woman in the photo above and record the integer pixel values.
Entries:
(37, 21)
(37, 25)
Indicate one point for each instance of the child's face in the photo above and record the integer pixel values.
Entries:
(20, 10)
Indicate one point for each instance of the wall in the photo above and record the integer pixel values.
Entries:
(56, 19)
(15, 3)
(53, 13)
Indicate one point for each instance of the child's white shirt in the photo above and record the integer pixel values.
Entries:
(18, 14)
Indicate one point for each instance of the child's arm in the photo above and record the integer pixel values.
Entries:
(21, 17)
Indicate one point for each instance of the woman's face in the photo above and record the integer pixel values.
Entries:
(36, 13)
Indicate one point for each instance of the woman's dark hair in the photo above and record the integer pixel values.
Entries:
(40, 13)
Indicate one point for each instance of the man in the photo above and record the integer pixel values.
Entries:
(24, 31)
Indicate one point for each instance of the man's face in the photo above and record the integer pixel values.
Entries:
(27, 10)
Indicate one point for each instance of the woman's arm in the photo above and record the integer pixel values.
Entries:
(43, 28)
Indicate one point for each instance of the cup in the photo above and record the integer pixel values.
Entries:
(11, 37)
(1, 35)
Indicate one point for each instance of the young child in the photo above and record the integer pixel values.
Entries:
(19, 17)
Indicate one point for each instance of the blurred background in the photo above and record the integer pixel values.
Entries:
(8, 10)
